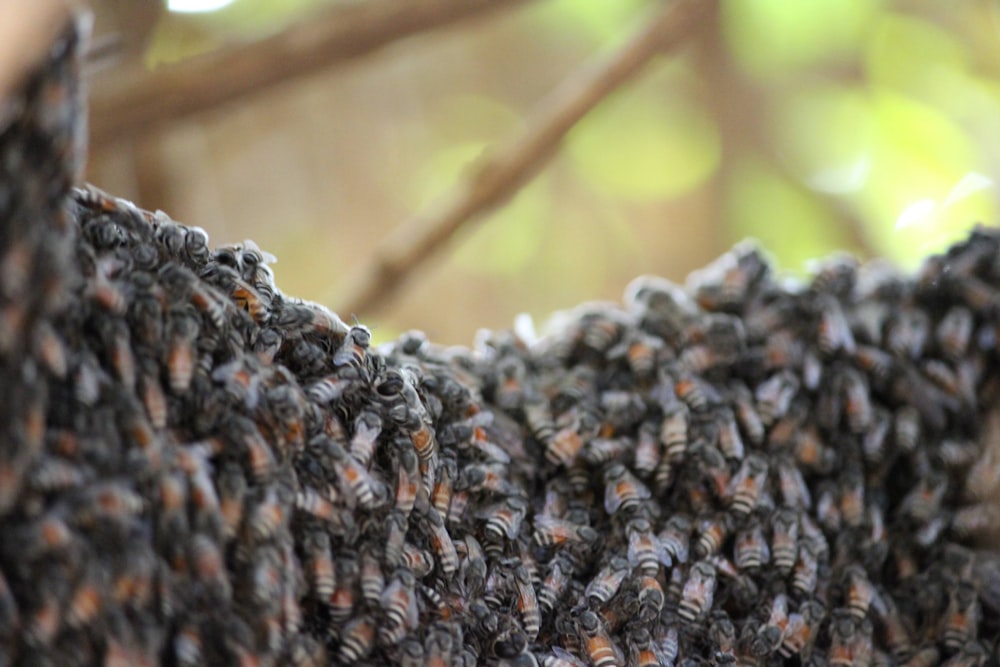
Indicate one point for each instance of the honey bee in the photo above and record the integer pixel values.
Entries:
(751, 550)
(527, 603)
(503, 520)
(834, 334)
(651, 599)
(806, 572)
(924, 501)
(645, 552)
(695, 393)
(232, 487)
(784, 539)
(962, 617)
(367, 427)
(607, 581)
(774, 396)
(441, 542)
(599, 451)
(408, 481)
(675, 537)
(674, 432)
(746, 414)
(622, 491)
(746, 485)
(357, 639)
(599, 646)
(354, 347)
(698, 593)
(322, 578)
(852, 496)
(554, 584)
(648, 452)
(181, 331)
(771, 634)
(954, 332)
(802, 629)
(907, 333)
(565, 444)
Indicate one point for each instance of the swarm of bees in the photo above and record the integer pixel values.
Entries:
(198, 469)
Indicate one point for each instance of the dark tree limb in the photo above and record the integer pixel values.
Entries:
(502, 170)
(131, 102)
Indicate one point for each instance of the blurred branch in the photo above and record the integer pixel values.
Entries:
(27, 30)
(503, 169)
(128, 103)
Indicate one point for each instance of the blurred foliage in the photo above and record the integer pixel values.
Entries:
(871, 126)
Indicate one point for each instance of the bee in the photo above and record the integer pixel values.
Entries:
(842, 635)
(357, 639)
(344, 599)
(954, 332)
(979, 520)
(491, 477)
(268, 515)
(805, 575)
(811, 453)
(746, 414)
(360, 485)
(674, 433)
(695, 393)
(538, 419)
(834, 334)
(647, 452)
(182, 330)
(651, 599)
(852, 496)
(857, 400)
(962, 617)
(730, 440)
(907, 333)
(924, 501)
(527, 603)
(645, 552)
(504, 518)
(607, 581)
(367, 427)
(441, 542)
(746, 485)
(599, 451)
(565, 444)
(774, 396)
(802, 630)
(408, 482)
(419, 561)
(622, 491)
(771, 634)
(232, 487)
(600, 647)
(354, 347)
(552, 587)
(675, 537)
(751, 550)
(86, 602)
(322, 578)
(698, 593)
(794, 491)
(784, 539)
(859, 592)
(329, 389)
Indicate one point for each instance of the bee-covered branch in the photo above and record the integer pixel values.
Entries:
(502, 170)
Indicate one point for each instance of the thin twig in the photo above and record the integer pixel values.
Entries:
(129, 103)
(500, 172)
(27, 30)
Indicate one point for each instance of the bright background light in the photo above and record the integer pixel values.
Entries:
(192, 6)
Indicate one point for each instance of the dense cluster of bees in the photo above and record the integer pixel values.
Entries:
(197, 469)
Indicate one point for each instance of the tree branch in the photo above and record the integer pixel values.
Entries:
(27, 30)
(132, 102)
(500, 172)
